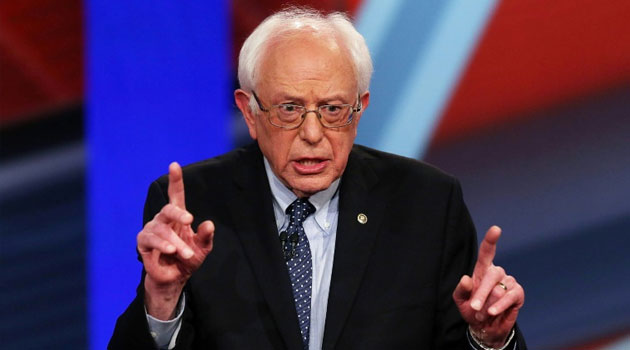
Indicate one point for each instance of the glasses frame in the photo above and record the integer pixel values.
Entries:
(353, 110)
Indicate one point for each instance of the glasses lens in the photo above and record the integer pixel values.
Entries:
(287, 115)
(335, 115)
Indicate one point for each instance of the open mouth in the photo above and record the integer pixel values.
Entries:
(309, 162)
(309, 166)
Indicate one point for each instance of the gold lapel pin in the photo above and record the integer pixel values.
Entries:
(362, 218)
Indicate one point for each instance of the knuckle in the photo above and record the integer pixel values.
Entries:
(151, 223)
(172, 209)
(157, 229)
(142, 236)
(167, 209)
(496, 272)
(145, 241)
(493, 272)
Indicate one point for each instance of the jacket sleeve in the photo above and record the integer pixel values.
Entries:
(457, 259)
(132, 329)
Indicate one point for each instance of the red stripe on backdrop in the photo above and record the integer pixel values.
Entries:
(601, 343)
(41, 58)
(535, 54)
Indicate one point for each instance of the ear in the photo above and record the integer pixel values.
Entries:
(365, 101)
(242, 101)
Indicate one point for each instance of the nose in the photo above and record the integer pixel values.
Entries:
(311, 129)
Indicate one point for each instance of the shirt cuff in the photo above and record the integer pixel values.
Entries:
(476, 344)
(164, 333)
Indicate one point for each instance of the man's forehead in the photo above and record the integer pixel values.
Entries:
(305, 52)
(295, 63)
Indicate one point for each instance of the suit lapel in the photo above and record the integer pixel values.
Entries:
(252, 212)
(354, 242)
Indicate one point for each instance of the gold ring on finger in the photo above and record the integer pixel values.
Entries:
(502, 285)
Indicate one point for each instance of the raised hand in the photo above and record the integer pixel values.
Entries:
(489, 301)
(171, 251)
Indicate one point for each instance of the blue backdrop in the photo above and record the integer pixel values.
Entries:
(157, 91)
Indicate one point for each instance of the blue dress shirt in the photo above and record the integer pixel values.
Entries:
(321, 231)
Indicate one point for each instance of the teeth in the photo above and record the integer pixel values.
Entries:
(308, 162)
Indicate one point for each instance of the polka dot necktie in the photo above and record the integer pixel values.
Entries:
(297, 253)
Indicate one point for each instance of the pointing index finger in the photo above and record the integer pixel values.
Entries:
(488, 247)
(176, 186)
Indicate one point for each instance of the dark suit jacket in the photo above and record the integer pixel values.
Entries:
(392, 278)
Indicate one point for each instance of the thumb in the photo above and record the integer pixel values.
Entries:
(205, 235)
(463, 290)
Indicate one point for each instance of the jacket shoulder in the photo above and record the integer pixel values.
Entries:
(397, 168)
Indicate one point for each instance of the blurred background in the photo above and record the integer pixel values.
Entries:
(527, 102)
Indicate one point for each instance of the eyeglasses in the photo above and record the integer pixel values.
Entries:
(290, 116)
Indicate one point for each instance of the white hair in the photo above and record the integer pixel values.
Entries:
(295, 20)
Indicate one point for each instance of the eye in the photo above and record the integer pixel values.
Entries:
(288, 108)
(331, 109)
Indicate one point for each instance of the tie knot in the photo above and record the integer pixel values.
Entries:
(299, 210)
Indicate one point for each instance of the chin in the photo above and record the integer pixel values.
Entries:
(308, 187)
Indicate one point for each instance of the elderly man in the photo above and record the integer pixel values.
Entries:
(319, 243)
